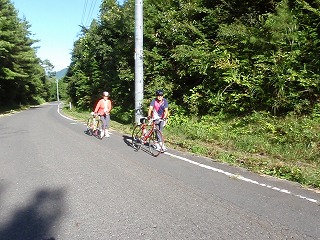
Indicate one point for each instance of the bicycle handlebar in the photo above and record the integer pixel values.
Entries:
(151, 120)
(95, 114)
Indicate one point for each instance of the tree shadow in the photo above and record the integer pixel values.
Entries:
(37, 220)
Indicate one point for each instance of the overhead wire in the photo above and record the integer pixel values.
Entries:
(90, 12)
(84, 12)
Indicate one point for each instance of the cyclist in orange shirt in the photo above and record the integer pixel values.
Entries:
(103, 109)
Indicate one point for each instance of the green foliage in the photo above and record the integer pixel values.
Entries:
(122, 115)
(22, 79)
(286, 172)
(282, 147)
(254, 56)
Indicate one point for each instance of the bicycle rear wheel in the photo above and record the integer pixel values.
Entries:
(99, 129)
(136, 137)
(90, 126)
(155, 146)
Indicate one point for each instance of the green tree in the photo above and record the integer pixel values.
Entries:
(208, 56)
(21, 76)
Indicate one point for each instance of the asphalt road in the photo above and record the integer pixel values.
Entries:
(58, 183)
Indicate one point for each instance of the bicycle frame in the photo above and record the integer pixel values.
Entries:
(148, 133)
(152, 137)
(94, 124)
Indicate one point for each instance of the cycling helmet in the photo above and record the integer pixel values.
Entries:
(159, 92)
(105, 94)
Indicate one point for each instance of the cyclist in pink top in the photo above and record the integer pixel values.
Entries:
(158, 111)
(103, 109)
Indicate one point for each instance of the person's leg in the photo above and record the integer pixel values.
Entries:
(160, 126)
(106, 133)
(104, 123)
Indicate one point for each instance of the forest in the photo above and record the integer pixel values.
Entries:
(24, 78)
(208, 56)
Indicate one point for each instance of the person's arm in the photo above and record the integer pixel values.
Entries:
(151, 108)
(150, 111)
(96, 109)
(166, 113)
(108, 107)
(166, 109)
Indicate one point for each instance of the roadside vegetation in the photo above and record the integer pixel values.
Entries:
(287, 148)
(242, 78)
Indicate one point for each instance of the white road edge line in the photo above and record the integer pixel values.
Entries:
(241, 178)
(227, 173)
(58, 110)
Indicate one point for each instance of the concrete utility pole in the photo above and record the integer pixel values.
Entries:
(138, 56)
(57, 81)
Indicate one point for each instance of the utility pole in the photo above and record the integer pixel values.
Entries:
(57, 81)
(138, 56)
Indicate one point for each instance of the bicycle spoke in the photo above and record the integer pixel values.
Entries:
(100, 134)
(155, 143)
(90, 126)
(136, 137)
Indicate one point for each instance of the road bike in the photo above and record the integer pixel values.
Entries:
(147, 134)
(94, 126)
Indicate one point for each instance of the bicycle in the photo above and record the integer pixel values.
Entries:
(94, 125)
(147, 134)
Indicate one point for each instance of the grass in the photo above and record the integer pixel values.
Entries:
(287, 148)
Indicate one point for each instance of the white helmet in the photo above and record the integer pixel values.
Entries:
(105, 94)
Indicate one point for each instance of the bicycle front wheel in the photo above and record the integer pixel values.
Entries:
(136, 137)
(100, 132)
(90, 126)
(155, 143)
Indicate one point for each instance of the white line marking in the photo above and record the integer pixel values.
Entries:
(63, 115)
(241, 178)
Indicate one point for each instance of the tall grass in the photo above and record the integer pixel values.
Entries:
(286, 147)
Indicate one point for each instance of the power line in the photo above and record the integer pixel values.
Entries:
(87, 12)
(93, 4)
(84, 11)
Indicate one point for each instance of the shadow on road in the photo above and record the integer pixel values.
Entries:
(35, 107)
(37, 220)
(95, 134)
(128, 140)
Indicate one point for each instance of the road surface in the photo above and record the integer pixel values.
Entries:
(58, 183)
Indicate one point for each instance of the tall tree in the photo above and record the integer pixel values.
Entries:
(21, 76)
(207, 55)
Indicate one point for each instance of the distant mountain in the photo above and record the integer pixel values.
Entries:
(60, 74)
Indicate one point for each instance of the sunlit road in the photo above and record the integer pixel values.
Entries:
(58, 183)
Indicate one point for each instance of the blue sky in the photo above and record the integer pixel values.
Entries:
(56, 24)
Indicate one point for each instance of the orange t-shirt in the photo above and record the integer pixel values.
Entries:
(103, 107)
